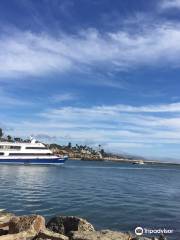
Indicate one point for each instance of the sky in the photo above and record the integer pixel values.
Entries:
(93, 72)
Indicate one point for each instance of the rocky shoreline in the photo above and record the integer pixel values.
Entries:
(34, 227)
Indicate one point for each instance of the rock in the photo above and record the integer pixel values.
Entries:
(100, 235)
(65, 225)
(47, 234)
(28, 235)
(26, 223)
(5, 217)
(162, 237)
(30, 227)
(3, 232)
(143, 238)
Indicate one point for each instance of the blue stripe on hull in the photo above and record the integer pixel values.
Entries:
(58, 161)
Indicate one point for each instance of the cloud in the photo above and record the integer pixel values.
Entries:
(7, 100)
(45, 137)
(26, 53)
(114, 123)
(167, 4)
(63, 97)
(162, 108)
(150, 130)
(107, 123)
(108, 110)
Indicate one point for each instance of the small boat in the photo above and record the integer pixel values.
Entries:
(139, 162)
(32, 152)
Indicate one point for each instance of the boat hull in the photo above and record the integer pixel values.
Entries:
(34, 161)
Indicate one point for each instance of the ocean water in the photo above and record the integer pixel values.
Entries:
(116, 196)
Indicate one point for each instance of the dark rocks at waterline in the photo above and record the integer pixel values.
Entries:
(66, 224)
(58, 228)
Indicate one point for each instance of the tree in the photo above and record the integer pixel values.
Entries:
(1, 132)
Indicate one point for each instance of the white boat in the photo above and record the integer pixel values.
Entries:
(139, 162)
(32, 152)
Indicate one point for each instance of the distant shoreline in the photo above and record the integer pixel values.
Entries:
(125, 161)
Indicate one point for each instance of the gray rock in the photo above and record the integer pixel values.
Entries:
(100, 235)
(66, 224)
(162, 237)
(47, 234)
(143, 238)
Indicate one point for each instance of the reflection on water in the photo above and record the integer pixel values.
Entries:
(110, 195)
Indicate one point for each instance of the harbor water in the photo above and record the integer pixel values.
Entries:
(115, 196)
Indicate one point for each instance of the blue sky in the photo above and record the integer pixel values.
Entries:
(93, 72)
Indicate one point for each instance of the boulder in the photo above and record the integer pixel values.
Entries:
(3, 232)
(162, 237)
(24, 227)
(34, 223)
(64, 225)
(47, 234)
(30, 227)
(143, 238)
(100, 235)
(5, 217)
(26, 235)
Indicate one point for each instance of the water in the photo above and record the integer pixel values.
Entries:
(110, 195)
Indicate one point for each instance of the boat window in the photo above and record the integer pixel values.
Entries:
(1, 153)
(36, 148)
(12, 147)
(15, 147)
(30, 154)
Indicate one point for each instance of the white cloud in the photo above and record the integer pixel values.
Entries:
(25, 53)
(166, 4)
(107, 111)
(172, 107)
(109, 124)
(119, 122)
(63, 97)
(119, 128)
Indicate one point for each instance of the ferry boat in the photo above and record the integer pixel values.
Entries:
(32, 152)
